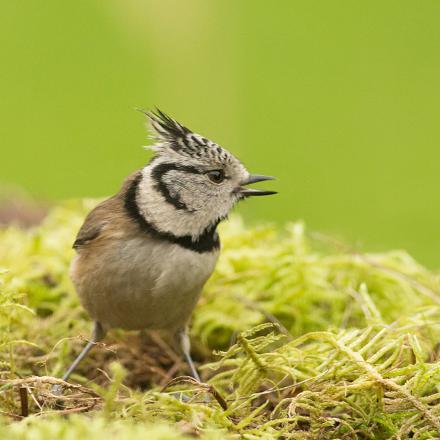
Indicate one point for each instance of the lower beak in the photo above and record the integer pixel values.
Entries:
(254, 178)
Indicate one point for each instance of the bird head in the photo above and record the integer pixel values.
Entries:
(191, 183)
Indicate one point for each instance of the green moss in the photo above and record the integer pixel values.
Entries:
(312, 341)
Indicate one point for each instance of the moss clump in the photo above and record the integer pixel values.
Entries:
(311, 341)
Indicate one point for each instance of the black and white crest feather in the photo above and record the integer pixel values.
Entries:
(166, 128)
(170, 134)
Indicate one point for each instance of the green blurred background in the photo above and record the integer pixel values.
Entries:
(338, 99)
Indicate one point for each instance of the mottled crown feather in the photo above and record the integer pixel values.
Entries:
(170, 134)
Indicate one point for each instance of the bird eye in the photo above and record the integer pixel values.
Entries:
(216, 176)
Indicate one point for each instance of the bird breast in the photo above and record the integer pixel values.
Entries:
(141, 283)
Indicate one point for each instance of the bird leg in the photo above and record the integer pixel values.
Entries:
(97, 335)
(185, 346)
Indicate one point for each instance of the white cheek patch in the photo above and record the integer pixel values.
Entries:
(203, 208)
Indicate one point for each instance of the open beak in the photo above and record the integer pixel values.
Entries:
(254, 178)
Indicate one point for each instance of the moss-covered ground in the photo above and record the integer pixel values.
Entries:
(296, 336)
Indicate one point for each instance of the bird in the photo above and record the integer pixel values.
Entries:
(144, 254)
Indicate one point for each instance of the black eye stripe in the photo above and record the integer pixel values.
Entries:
(162, 168)
(159, 171)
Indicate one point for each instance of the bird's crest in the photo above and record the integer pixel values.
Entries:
(170, 134)
(165, 128)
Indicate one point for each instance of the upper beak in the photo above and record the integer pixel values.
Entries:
(254, 178)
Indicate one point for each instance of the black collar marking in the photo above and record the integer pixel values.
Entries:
(159, 170)
(206, 242)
